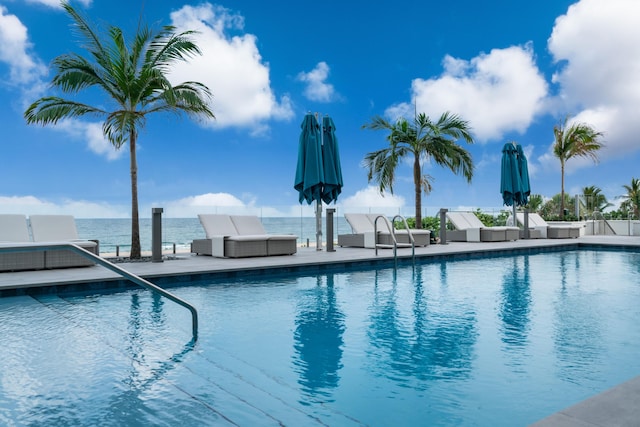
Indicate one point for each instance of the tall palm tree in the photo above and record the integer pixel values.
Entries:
(134, 78)
(632, 198)
(575, 140)
(423, 139)
(594, 200)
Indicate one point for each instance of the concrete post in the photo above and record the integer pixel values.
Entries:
(156, 234)
(443, 226)
(330, 230)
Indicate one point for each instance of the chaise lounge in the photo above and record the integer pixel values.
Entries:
(61, 229)
(239, 236)
(15, 229)
(363, 227)
(549, 231)
(469, 228)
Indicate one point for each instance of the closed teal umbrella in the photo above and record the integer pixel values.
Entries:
(514, 181)
(309, 172)
(331, 162)
(525, 185)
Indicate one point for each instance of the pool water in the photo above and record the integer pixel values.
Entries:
(499, 341)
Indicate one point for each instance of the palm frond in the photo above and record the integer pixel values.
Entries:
(50, 110)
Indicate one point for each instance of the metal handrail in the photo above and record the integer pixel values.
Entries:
(406, 227)
(41, 247)
(392, 231)
(604, 220)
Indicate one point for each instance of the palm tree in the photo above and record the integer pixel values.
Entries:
(632, 198)
(576, 140)
(134, 78)
(421, 139)
(535, 202)
(549, 210)
(594, 200)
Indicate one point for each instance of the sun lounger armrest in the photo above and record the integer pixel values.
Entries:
(473, 234)
(369, 239)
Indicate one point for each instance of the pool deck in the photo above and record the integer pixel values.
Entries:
(619, 406)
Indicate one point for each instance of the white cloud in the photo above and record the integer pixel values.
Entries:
(30, 205)
(317, 88)
(231, 66)
(596, 45)
(25, 69)
(370, 198)
(91, 133)
(498, 92)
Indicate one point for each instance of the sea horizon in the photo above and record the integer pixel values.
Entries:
(114, 234)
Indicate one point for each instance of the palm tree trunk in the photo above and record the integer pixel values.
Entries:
(417, 182)
(135, 222)
(562, 191)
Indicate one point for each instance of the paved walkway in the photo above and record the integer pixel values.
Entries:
(619, 406)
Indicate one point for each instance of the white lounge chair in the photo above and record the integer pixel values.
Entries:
(363, 227)
(469, 228)
(15, 229)
(549, 231)
(61, 228)
(239, 236)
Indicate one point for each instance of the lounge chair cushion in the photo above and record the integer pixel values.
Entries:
(248, 224)
(14, 228)
(217, 225)
(360, 223)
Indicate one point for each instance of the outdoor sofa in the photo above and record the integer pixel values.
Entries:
(239, 236)
(14, 231)
(469, 228)
(363, 227)
(549, 231)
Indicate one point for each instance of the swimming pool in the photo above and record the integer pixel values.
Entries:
(486, 342)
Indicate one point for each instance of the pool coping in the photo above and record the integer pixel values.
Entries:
(184, 268)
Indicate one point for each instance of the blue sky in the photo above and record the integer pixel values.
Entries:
(512, 69)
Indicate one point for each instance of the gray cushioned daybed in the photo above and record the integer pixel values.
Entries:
(549, 231)
(239, 236)
(364, 225)
(469, 228)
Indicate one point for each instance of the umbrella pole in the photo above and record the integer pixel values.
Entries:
(318, 225)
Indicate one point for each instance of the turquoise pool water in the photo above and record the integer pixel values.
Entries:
(483, 342)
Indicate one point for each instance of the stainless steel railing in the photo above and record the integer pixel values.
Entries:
(41, 247)
(392, 231)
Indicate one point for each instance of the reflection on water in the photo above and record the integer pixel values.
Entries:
(577, 329)
(422, 342)
(143, 373)
(318, 339)
(515, 305)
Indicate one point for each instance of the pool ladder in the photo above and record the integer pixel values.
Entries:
(37, 247)
(395, 245)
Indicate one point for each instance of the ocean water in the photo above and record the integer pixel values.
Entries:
(116, 233)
